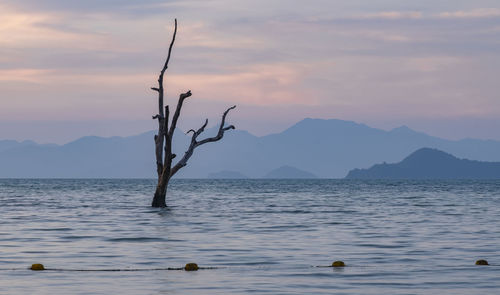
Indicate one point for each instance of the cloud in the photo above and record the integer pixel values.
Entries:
(474, 13)
(384, 35)
(265, 84)
(20, 29)
(58, 77)
(416, 15)
(23, 75)
(83, 6)
(391, 15)
(433, 63)
(201, 35)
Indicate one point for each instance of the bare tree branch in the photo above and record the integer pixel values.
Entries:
(162, 73)
(220, 134)
(200, 130)
(165, 122)
(165, 66)
(194, 143)
(177, 113)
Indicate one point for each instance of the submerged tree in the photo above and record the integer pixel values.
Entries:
(163, 140)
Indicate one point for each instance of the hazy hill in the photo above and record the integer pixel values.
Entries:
(429, 163)
(326, 148)
(9, 144)
(288, 172)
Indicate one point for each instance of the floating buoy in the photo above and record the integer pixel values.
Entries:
(191, 267)
(338, 263)
(37, 266)
(482, 262)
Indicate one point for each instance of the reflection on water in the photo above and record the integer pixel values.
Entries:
(267, 236)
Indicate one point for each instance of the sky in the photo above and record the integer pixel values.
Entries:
(71, 68)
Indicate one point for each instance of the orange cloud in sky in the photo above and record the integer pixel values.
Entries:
(40, 30)
(112, 95)
(24, 75)
(270, 84)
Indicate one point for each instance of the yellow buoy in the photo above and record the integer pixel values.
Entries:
(338, 263)
(191, 267)
(482, 262)
(37, 266)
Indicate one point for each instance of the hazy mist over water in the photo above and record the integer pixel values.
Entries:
(266, 236)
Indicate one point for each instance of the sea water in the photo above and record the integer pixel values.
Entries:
(260, 236)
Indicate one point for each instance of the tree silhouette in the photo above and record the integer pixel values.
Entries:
(163, 140)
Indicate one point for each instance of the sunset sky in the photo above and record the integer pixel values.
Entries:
(71, 68)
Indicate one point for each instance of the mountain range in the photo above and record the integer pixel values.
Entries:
(324, 148)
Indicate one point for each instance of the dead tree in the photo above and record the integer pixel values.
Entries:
(163, 140)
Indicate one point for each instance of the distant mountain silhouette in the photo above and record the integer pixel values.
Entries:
(427, 163)
(326, 148)
(226, 174)
(288, 172)
(10, 144)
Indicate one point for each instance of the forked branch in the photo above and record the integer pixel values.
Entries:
(220, 134)
(195, 143)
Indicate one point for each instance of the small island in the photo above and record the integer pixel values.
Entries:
(427, 163)
(289, 172)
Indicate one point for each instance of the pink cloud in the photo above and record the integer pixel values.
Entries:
(258, 85)
(475, 13)
(392, 15)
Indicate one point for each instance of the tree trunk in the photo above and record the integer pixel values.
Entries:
(160, 194)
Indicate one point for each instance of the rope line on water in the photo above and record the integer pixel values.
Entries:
(188, 267)
(127, 269)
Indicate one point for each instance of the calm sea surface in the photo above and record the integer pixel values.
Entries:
(264, 237)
